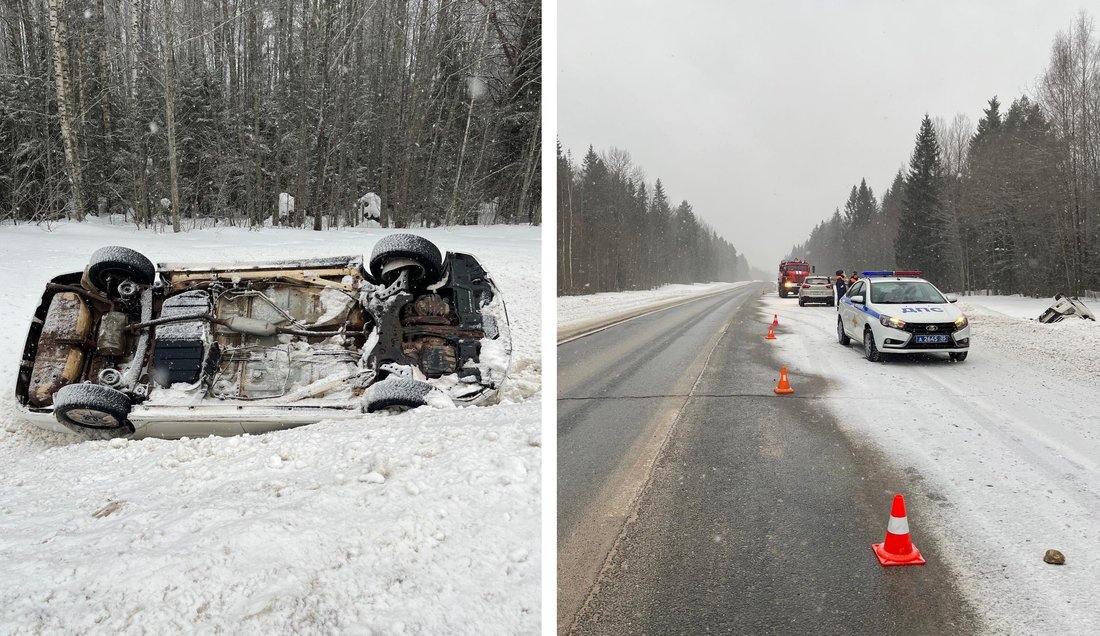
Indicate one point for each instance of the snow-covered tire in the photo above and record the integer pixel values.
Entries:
(842, 337)
(870, 351)
(801, 302)
(958, 357)
(396, 394)
(93, 411)
(112, 265)
(397, 251)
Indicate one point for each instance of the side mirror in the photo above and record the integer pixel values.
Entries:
(858, 299)
(951, 298)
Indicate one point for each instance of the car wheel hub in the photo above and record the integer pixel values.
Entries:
(92, 418)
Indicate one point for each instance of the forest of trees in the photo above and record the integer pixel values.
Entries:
(1009, 206)
(616, 234)
(208, 109)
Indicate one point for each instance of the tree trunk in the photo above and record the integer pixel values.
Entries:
(137, 165)
(64, 109)
(170, 112)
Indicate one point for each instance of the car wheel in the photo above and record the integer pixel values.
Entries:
(112, 265)
(869, 349)
(396, 252)
(832, 303)
(801, 302)
(782, 293)
(841, 337)
(396, 394)
(93, 411)
(958, 357)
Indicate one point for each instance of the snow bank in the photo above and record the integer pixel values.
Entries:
(425, 522)
(577, 310)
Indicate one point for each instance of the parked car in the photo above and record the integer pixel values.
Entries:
(127, 348)
(898, 312)
(816, 289)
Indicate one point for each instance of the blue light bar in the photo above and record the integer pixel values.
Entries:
(876, 274)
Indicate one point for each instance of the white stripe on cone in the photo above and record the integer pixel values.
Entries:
(898, 525)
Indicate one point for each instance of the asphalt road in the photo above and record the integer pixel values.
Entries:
(693, 500)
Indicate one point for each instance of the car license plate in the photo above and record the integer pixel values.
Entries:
(932, 339)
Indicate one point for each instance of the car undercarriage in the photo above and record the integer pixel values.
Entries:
(129, 349)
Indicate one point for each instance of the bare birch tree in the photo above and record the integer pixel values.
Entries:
(59, 37)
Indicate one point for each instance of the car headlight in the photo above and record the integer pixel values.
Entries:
(788, 284)
(961, 322)
(891, 322)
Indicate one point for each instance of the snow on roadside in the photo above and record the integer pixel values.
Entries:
(1001, 453)
(424, 522)
(573, 310)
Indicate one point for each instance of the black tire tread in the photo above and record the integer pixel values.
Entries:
(410, 246)
(93, 396)
(396, 392)
(114, 259)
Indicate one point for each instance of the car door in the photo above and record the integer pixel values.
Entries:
(851, 312)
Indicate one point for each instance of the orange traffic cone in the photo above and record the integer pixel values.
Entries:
(784, 386)
(771, 333)
(775, 320)
(898, 549)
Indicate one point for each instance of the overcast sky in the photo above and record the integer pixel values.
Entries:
(764, 114)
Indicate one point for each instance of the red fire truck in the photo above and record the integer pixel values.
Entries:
(791, 275)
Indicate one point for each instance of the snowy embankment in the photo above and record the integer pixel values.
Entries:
(577, 314)
(1001, 452)
(422, 522)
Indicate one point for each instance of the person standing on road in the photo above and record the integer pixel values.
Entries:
(840, 285)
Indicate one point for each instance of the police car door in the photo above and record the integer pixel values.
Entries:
(851, 313)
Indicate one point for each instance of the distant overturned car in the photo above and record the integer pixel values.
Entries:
(127, 348)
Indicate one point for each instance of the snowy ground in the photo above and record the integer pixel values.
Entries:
(1002, 451)
(578, 311)
(425, 522)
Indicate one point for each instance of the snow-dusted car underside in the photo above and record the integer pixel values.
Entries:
(129, 349)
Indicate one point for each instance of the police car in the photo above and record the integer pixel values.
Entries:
(899, 312)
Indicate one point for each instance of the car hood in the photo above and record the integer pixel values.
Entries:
(922, 312)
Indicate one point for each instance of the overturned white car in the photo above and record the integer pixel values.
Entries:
(129, 349)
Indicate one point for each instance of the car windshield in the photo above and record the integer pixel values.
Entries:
(896, 292)
(817, 280)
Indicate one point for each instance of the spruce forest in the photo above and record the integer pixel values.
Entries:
(1009, 206)
(615, 233)
(188, 112)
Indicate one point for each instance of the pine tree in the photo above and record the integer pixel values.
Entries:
(989, 124)
(921, 228)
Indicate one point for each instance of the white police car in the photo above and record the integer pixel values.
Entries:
(899, 312)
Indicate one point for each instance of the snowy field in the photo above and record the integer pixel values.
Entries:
(1000, 453)
(424, 522)
(577, 312)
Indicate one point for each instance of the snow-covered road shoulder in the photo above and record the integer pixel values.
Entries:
(578, 314)
(1000, 453)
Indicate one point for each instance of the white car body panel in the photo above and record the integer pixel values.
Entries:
(923, 320)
